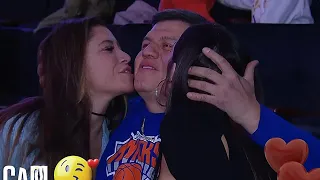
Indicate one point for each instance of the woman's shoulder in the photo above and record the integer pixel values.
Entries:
(19, 124)
(21, 118)
(20, 115)
(16, 134)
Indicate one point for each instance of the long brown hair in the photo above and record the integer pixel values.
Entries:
(65, 107)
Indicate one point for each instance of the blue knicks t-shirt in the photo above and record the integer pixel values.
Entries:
(133, 148)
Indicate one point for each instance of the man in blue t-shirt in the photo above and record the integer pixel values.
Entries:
(133, 147)
(132, 151)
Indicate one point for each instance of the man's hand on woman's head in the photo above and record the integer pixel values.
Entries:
(231, 93)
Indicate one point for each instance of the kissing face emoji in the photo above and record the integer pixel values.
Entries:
(73, 168)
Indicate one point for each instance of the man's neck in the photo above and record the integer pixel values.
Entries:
(151, 102)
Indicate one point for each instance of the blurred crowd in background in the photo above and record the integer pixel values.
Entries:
(40, 14)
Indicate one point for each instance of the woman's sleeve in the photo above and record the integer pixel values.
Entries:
(8, 154)
(3, 135)
(16, 136)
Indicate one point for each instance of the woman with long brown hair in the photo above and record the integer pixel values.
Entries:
(84, 76)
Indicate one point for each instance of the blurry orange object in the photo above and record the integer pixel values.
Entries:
(278, 152)
(295, 171)
(201, 7)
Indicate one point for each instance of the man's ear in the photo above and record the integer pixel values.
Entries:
(172, 70)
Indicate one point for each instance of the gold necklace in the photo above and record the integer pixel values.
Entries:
(142, 126)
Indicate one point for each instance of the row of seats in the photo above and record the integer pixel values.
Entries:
(24, 14)
(29, 14)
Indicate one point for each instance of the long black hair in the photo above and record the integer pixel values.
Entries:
(187, 53)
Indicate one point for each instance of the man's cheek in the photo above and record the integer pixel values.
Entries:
(167, 58)
(137, 61)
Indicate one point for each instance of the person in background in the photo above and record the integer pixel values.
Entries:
(139, 12)
(84, 74)
(201, 7)
(133, 149)
(78, 9)
(273, 11)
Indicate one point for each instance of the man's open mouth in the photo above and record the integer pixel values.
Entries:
(148, 67)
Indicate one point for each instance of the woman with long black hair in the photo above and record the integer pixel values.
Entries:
(200, 141)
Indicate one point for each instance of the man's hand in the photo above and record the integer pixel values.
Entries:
(231, 93)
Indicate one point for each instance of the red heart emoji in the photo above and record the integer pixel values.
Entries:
(93, 163)
(278, 153)
(295, 171)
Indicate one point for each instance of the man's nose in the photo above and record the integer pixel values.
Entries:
(151, 51)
